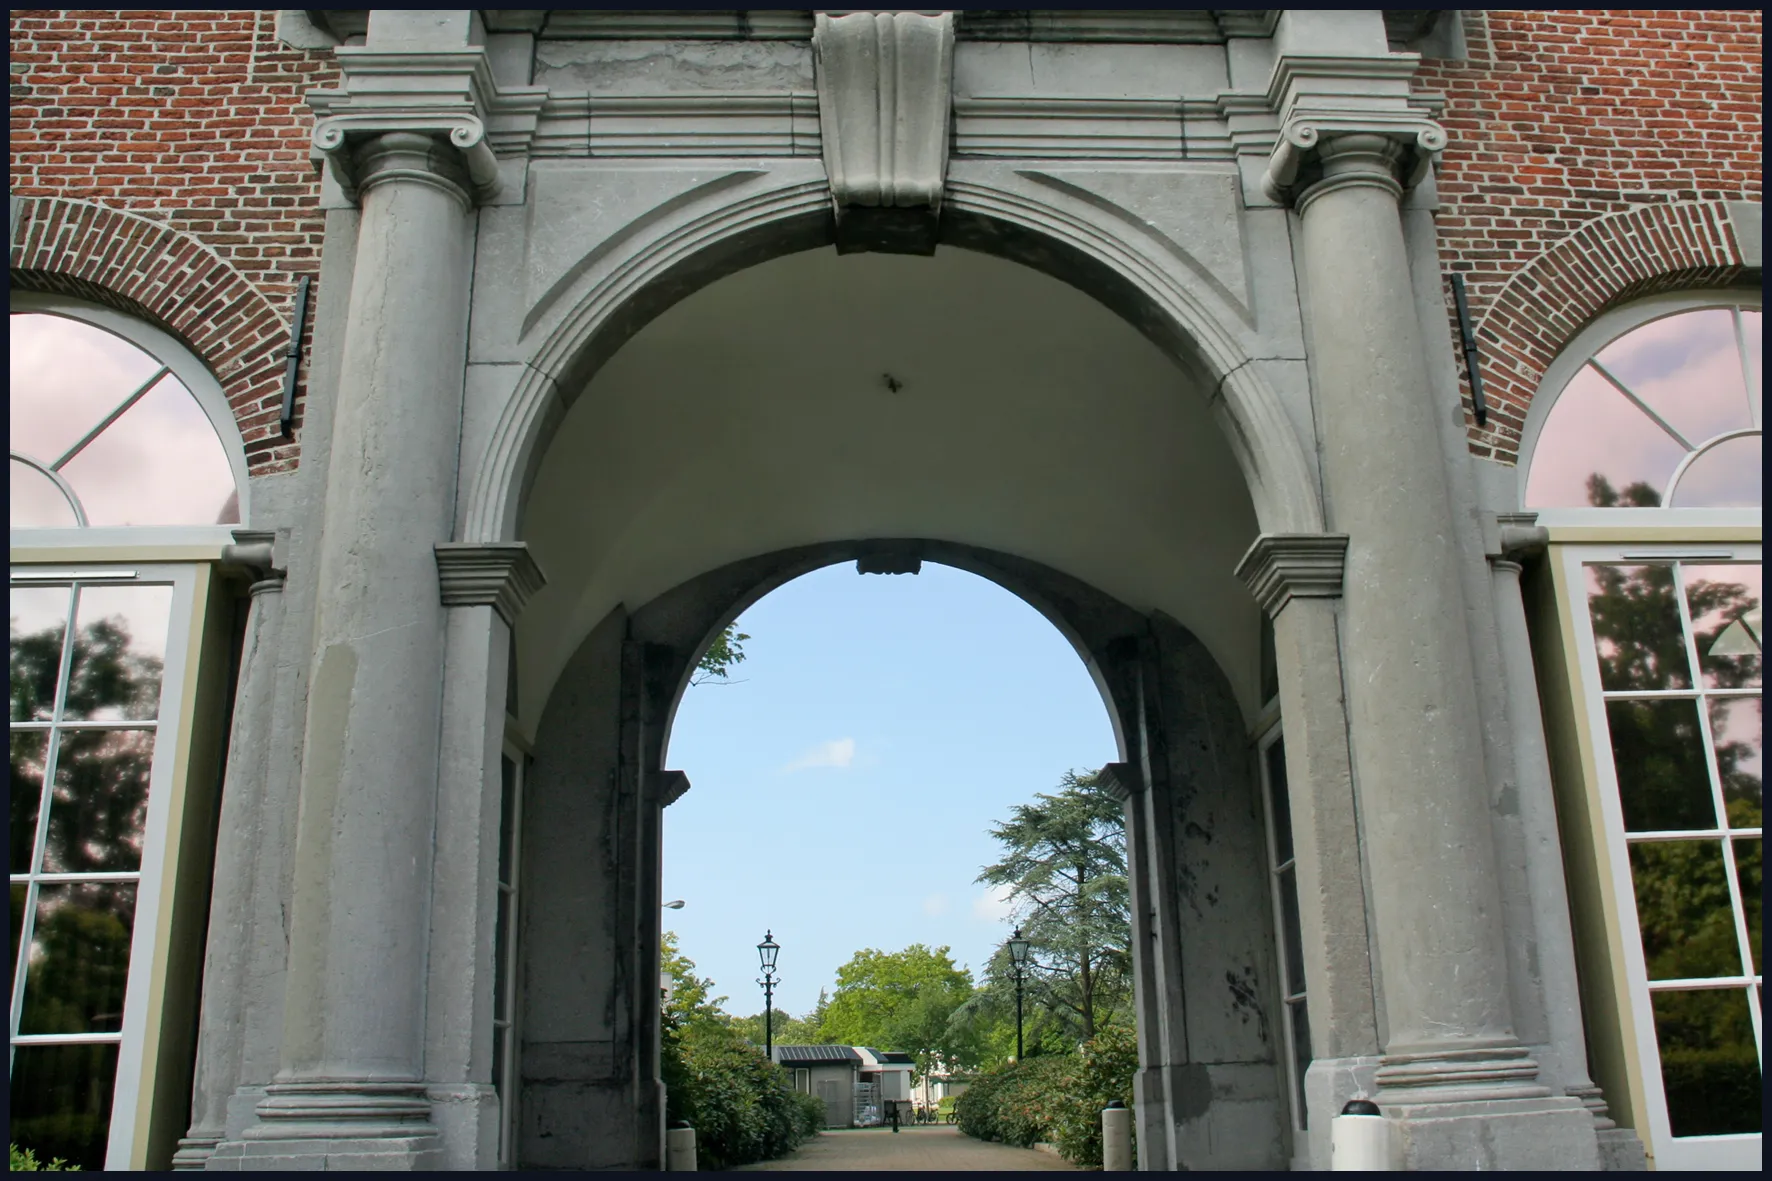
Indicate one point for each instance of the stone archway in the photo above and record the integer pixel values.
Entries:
(1210, 1089)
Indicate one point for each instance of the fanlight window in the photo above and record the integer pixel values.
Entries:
(104, 434)
(1666, 415)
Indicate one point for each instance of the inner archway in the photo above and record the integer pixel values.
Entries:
(960, 410)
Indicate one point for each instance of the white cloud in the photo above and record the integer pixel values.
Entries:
(993, 906)
(935, 904)
(839, 752)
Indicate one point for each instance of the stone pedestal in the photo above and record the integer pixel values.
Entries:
(351, 1091)
(1465, 1092)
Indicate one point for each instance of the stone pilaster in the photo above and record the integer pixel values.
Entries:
(243, 863)
(351, 1091)
(1517, 540)
(1297, 580)
(1454, 1077)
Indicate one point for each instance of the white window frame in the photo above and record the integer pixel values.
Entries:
(1274, 733)
(1579, 351)
(204, 387)
(147, 951)
(1736, 1151)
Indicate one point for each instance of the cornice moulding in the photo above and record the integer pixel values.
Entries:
(1031, 127)
(740, 123)
(1282, 566)
(1122, 780)
(497, 574)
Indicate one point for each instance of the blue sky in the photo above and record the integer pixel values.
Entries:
(845, 783)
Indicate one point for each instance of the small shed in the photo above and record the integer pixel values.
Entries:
(829, 1072)
(889, 1071)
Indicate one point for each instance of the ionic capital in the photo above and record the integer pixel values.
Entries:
(449, 151)
(1319, 149)
(1280, 567)
(259, 552)
(496, 574)
(1512, 538)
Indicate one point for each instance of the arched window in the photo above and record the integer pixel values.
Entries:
(114, 424)
(1662, 412)
(1644, 464)
(128, 475)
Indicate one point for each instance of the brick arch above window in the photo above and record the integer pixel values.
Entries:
(1665, 247)
(149, 269)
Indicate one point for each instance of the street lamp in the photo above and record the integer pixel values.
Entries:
(675, 905)
(1018, 954)
(766, 953)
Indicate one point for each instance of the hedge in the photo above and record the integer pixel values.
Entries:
(741, 1105)
(1055, 1099)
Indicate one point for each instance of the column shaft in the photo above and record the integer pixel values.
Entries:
(1411, 691)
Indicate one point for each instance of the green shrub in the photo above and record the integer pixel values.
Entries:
(741, 1105)
(25, 1161)
(1056, 1099)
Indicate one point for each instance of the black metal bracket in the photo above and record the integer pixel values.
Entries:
(1470, 350)
(292, 359)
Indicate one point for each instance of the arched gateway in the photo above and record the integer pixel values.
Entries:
(541, 360)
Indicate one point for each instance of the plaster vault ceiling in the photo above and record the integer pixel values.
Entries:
(757, 414)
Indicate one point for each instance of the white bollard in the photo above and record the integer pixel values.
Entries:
(1360, 1138)
(680, 1150)
(1116, 1138)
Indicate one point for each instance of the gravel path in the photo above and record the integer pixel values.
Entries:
(914, 1148)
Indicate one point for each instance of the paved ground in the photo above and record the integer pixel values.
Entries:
(913, 1148)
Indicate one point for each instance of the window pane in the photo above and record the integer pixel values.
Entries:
(1663, 781)
(119, 652)
(61, 1102)
(1291, 932)
(79, 958)
(28, 750)
(1280, 801)
(1724, 476)
(1598, 449)
(1708, 1063)
(36, 501)
(1301, 1057)
(1747, 876)
(1735, 727)
(1688, 367)
(39, 617)
(66, 376)
(1683, 910)
(18, 925)
(1725, 606)
(1637, 627)
(1750, 336)
(500, 933)
(161, 463)
(507, 803)
(100, 804)
(498, 1060)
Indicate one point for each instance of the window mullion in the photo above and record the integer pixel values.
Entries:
(141, 392)
(1747, 375)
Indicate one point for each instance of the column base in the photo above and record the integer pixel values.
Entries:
(337, 1125)
(194, 1153)
(1621, 1151)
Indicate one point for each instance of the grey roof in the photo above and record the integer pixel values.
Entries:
(811, 1054)
(893, 1056)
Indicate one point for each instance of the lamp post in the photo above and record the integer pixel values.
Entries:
(766, 953)
(1018, 954)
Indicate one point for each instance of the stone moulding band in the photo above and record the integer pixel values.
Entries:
(1282, 566)
(343, 1110)
(1494, 1072)
(497, 574)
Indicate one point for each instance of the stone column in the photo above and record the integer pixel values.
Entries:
(240, 856)
(351, 1089)
(1452, 1064)
(1519, 539)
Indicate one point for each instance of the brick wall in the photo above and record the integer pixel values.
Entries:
(195, 118)
(1559, 118)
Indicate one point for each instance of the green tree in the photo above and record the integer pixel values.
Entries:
(1064, 866)
(787, 1031)
(723, 654)
(902, 1001)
